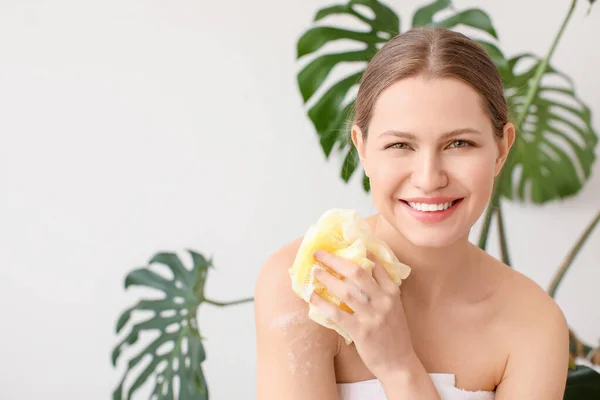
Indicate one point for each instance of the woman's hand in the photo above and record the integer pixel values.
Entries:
(378, 326)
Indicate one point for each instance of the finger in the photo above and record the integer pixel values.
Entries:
(383, 279)
(347, 291)
(348, 270)
(332, 312)
(381, 276)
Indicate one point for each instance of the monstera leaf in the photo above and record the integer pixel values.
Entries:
(330, 112)
(174, 318)
(554, 149)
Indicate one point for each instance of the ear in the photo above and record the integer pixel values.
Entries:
(360, 144)
(504, 146)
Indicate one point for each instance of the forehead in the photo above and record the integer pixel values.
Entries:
(423, 106)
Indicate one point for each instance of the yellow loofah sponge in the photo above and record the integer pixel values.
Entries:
(343, 233)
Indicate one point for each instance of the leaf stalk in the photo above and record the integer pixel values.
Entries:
(568, 261)
(230, 303)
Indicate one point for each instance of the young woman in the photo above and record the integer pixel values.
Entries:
(432, 132)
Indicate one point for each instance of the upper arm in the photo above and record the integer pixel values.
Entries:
(295, 356)
(538, 359)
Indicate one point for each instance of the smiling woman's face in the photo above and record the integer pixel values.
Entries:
(431, 156)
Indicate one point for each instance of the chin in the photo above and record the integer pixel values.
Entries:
(434, 238)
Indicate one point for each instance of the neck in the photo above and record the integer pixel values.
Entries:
(436, 272)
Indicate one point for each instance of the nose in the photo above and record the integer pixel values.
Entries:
(428, 174)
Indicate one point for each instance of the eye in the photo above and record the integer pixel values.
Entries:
(399, 145)
(460, 143)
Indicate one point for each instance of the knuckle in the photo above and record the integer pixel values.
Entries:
(358, 273)
(394, 288)
(387, 303)
(345, 294)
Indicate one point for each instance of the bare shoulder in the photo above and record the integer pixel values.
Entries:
(536, 338)
(519, 289)
(526, 300)
(294, 354)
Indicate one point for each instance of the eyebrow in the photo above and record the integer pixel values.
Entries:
(412, 136)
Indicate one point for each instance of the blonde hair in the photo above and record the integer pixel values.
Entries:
(433, 53)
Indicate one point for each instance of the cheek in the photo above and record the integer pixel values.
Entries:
(386, 173)
(477, 174)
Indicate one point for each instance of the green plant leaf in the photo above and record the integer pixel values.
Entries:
(317, 37)
(177, 352)
(336, 130)
(583, 383)
(315, 73)
(424, 15)
(554, 150)
(324, 111)
(385, 21)
(330, 112)
(496, 55)
(366, 182)
(201, 266)
(350, 164)
(333, 10)
(473, 17)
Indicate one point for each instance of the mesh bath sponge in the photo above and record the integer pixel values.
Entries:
(345, 234)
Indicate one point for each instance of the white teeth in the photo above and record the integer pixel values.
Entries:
(430, 207)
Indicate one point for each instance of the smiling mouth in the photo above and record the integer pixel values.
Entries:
(428, 207)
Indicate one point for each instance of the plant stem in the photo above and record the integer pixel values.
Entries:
(229, 303)
(537, 79)
(560, 274)
(487, 219)
(533, 90)
(502, 236)
(485, 229)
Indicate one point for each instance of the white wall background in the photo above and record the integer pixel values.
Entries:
(133, 126)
